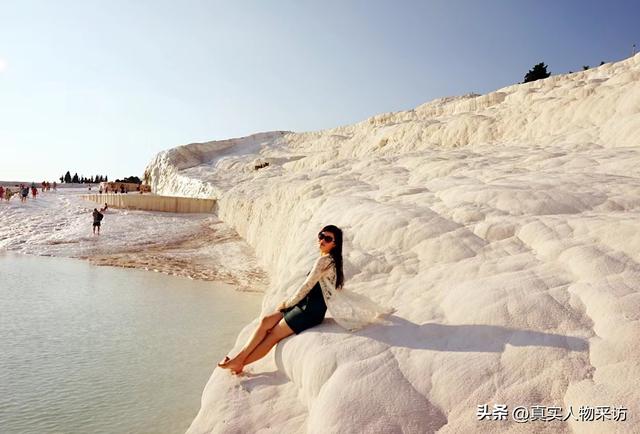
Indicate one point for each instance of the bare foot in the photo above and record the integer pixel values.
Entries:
(224, 362)
(234, 365)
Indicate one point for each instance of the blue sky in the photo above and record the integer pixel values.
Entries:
(102, 86)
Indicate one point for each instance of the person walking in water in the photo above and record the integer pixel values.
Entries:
(34, 192)
(24, 193)
(306, 308)
(97, 218)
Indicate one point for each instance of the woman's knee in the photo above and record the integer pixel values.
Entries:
(267, 322)
(264, 323)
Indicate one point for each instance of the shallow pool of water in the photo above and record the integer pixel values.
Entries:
(87, 349)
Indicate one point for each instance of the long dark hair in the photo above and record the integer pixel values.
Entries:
(336, 252)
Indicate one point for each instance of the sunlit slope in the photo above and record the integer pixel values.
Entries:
(503, 227)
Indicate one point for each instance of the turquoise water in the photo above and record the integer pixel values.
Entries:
(87, 349)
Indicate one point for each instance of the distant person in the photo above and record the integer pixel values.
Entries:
(1, 192)
(55, 186)
(44, 186)
(7, 194)
(122, 188)
(100, 190)
(24, 193)
(34, 192)
(97, 218)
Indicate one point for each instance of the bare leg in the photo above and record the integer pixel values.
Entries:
(279, 332)
(266, 323)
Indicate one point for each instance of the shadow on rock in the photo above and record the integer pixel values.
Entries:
(467, 337)
(251, 381)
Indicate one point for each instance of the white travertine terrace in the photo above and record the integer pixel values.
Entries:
(505, 229)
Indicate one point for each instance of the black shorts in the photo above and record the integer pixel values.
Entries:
(309, 312)
(96, 224)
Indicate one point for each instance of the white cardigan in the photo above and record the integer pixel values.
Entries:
(349, 309)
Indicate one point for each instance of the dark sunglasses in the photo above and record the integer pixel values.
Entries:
(327, 238)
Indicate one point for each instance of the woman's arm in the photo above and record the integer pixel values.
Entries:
(320, 266)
